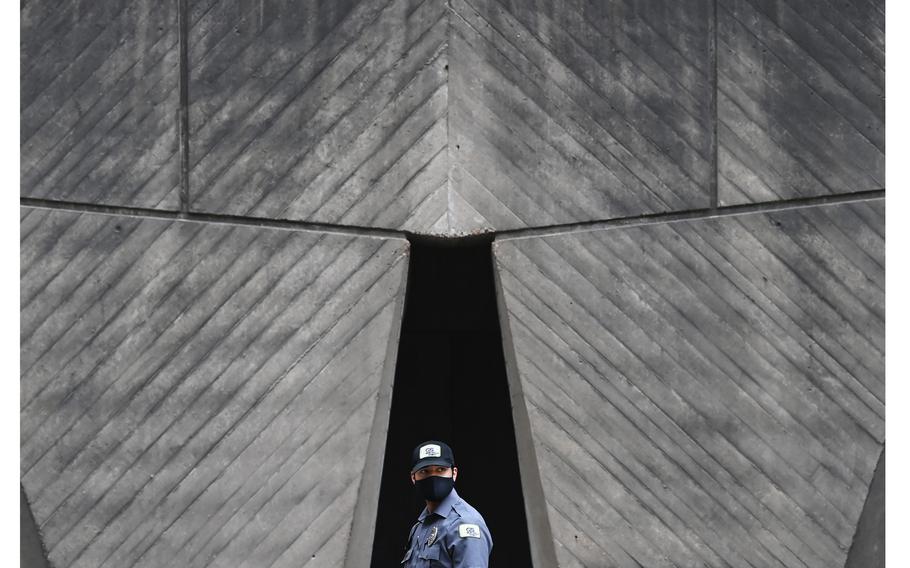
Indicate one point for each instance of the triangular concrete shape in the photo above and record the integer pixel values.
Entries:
(868, 549)
(32, 553)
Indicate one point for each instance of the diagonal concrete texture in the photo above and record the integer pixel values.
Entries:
(450, 117)
(330, 112)
(445, 118)
(801, 99)
(214, 200)
(199, 394)
(98, 102)
(705, 392)
(571, 111)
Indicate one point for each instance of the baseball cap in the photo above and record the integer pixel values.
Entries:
(432, 452)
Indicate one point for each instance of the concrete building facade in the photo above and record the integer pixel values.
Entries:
(684, 210)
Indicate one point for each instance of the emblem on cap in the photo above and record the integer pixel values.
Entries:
(432, 538)
(430, 451)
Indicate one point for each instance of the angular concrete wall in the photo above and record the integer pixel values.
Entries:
(699, 393)
(451, 118)
(332, 112)
(209, 269)
(571, 111)
(198, 394)
(801, 99)
(99, 99)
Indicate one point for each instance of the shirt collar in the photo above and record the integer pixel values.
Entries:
(444, 508)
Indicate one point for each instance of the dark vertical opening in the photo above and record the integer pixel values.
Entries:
(450, 384)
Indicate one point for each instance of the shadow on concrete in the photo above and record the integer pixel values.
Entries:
(868, 549)
(31, 549)
(450, 384)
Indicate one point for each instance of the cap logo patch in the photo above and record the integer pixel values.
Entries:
(430, 451)
(467, 530)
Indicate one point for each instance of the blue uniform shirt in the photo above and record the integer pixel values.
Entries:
(452, 536)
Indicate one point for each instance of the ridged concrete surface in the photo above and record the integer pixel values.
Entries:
(197, 394)
(452, 118)
(712, 388)
(700, 393)
(98, 102)
(449, 120)
(331, 112)
(575, 110)
(801, 98)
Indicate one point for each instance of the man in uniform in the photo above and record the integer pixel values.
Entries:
(448, 533)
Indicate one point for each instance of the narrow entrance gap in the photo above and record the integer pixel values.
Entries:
(450, 384)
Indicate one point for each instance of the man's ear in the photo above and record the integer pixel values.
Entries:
(454, 473)
(413, 480)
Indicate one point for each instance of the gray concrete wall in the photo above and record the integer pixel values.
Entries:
(700, 393)
(450, 117)
(201, 394)
(214, 196)
(800, 99)
(99, 102)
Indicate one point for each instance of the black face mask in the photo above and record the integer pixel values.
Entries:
(435, 488)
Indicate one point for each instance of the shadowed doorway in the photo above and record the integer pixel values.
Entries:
(450, 384)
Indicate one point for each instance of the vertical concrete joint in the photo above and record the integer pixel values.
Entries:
(712, 52)
(183, 126)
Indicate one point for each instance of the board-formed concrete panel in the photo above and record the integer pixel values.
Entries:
(574, 111)
(698, 393)
(801, 98)
(99, 102)
(332, 112)
(449, 118)
(198, 394)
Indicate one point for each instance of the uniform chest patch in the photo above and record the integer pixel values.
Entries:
(467, 530)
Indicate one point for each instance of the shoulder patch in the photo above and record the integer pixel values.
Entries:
(468, 530)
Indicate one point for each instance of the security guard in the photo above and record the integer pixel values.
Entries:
(448, 533)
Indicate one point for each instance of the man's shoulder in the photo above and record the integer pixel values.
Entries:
(467, 513)
(470, 531)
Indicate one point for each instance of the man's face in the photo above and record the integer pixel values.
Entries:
(437, 470)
